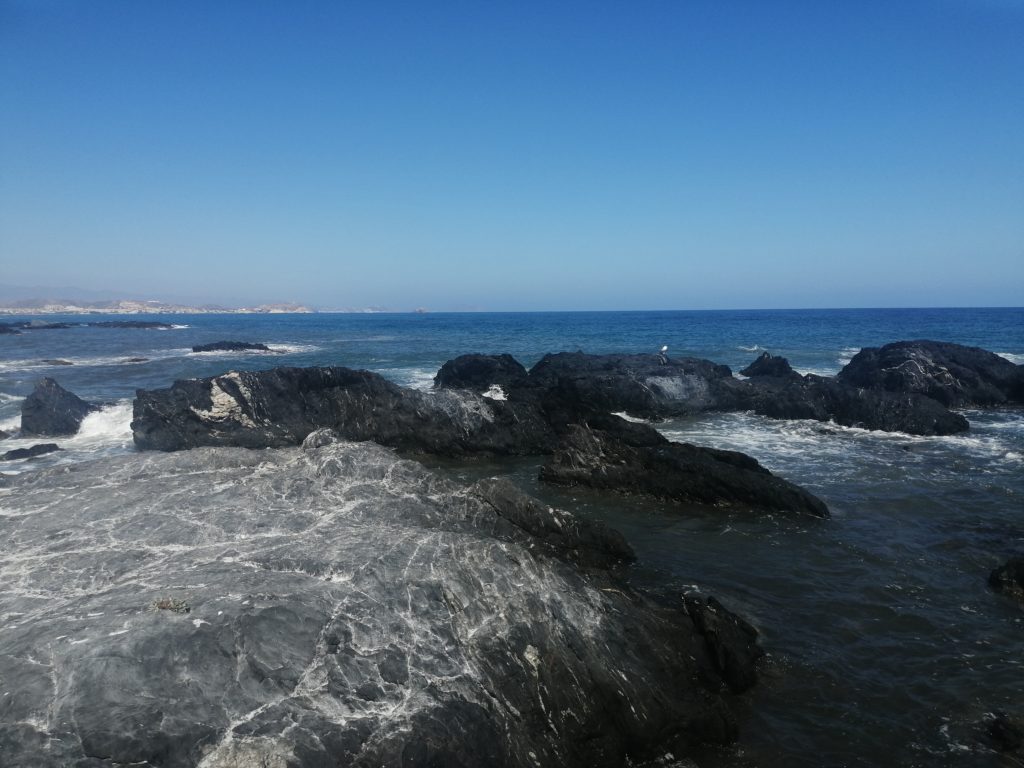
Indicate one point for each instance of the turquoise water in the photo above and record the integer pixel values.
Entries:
(885, 646)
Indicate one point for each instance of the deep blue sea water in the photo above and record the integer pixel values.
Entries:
(886, 647)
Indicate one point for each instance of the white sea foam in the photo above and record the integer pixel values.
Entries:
(102, 433)
(634, 419)
(413, 377)
(495, 392)
(755, 348)
(846, 355)
(1013, 357)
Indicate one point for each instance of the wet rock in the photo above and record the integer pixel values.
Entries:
(769, 365)
(955, 375)
(7, 328)
(825, 399)
(645, 462)
(31, 452)
(50, 410)
(231, 346)
(1006, 732)
(136, 359)
(480, 372)
(570, 386)
(641, 385)
(346, 608)
(1009, 578)
(730, 639)
(280, 407)
(56, 362)
(4, 435)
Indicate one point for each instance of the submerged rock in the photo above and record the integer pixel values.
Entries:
(1009, 578)
(280, 407)
(955, 375)
(1006, 732)
(8, 329)
(344, 607)
(50, 410)
(56, 362)
(231, 346)
(30, 452)
(640, 460)
(145, 324)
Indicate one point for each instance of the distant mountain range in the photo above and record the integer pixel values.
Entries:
(37, 300)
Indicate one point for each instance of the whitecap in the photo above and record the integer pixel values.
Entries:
(755, 348)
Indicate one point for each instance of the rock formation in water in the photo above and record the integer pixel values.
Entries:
(280, 407)
(640, 460)
(1009, 578)
(826, 399)
(8, 328)
(954, 375)
(144, 324)
(1006, 732)
(31, 452)
(569, 385)
(770, 365)
(52, 411)
(231, 346)
(334, 605)
(481, 372)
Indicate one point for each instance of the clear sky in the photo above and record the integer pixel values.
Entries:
(677, 154)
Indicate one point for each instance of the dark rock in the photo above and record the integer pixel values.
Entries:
(56, 362)
(825, 399)
(769, 365)
(136, 359)
(52, 411)
(1009, 578)
(4, 435)
(480, 372)
(675, 471)
(639, 384)
(146, 324)
(346, 608)
(1006, 732)
(563, 534)
(571, 386)
(31, 452)
(42, 325)
(731, 641)
(955, 375)
(230, 346)
(8, 329)
(280, 407)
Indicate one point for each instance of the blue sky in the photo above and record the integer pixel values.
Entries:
(555, 155)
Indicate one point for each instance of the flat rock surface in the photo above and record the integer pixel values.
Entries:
(328, 605)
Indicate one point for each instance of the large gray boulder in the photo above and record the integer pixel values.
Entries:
(334, 605)
(52, 411)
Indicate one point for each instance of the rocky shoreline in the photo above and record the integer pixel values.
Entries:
(329, 602)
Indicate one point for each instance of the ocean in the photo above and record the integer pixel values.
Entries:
(885, 645)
